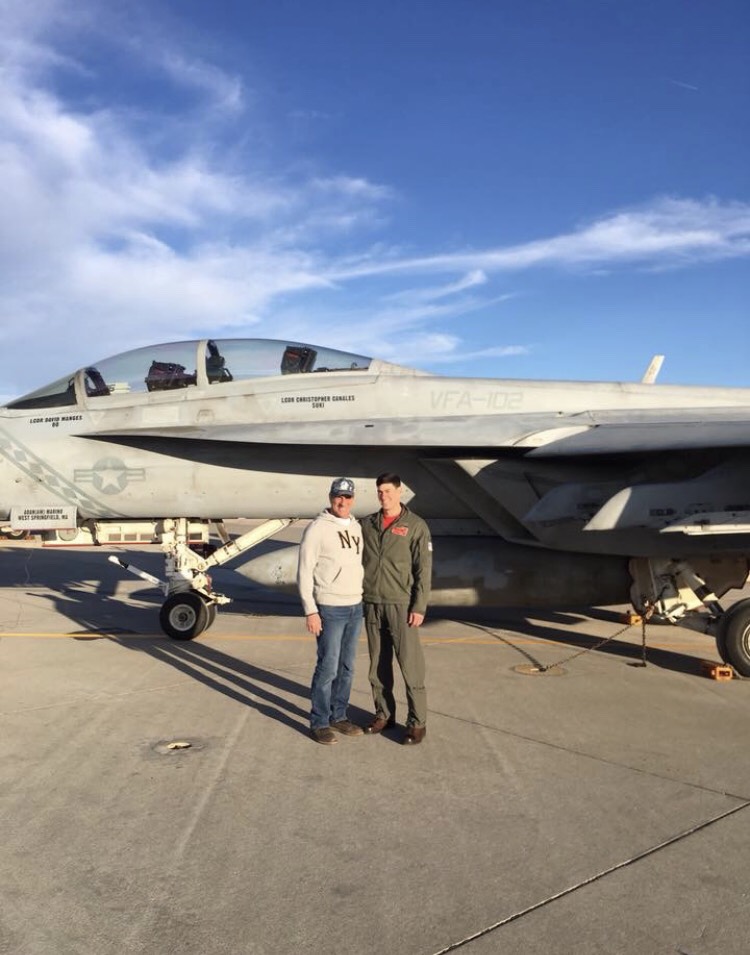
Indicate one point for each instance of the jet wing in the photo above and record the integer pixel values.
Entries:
(646, 436)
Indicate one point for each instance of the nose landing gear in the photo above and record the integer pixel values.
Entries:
(191, 602)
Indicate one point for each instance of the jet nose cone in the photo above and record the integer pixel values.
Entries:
(276, 569)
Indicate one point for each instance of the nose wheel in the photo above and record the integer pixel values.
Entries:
(186, 615)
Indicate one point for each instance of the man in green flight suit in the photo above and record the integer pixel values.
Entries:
(398, 569)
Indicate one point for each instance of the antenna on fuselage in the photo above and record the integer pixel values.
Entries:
(654, 367)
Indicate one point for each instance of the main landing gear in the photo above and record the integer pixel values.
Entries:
(733, 637)
(191, 602)
(678, 592)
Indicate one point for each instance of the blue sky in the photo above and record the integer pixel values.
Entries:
(521, 189)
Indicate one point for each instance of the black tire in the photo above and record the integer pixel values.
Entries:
(184, 616)
(212, 609)
(733, 637)
(721, 645)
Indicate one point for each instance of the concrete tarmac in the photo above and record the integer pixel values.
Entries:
(160, 796)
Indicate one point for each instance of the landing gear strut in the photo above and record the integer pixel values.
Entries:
(684, 594)
(191, 602)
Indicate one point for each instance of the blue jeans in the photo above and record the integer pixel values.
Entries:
(334, 672)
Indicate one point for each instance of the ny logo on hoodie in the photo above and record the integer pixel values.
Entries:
(348, 540)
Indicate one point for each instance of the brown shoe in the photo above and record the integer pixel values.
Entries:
(414, 735)
(379, 724)
(347, 728)
(324, 735)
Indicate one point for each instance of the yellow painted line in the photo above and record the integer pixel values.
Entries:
(508, 643)
(536, 641)
(50, 636)
(106, 635)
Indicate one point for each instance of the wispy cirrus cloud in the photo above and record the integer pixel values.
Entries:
(683, 85)
(453, 354)
(668, 232)
(224, 90)
(409, 296)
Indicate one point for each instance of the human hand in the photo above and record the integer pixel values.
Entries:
(314, 624)
(415, 619)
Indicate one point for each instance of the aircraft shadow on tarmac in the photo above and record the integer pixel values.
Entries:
(554, 626)
(83, 587)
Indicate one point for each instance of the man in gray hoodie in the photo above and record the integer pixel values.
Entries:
(329, 579)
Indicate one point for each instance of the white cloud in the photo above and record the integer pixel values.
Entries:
(225, 91)
(683, 85)
(670, 232)
(431, 293)
(351, 186)
(500, 351)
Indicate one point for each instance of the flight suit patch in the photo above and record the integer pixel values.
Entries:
(401, 531)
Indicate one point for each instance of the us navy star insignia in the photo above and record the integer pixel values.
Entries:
(110, 475)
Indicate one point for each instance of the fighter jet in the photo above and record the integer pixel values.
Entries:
(538, 493)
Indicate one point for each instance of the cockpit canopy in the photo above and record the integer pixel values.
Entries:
(185, 364)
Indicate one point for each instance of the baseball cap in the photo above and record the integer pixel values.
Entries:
(342, 487)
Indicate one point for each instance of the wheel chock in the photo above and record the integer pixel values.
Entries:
(716, 671)
(631, 618)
